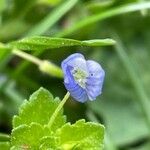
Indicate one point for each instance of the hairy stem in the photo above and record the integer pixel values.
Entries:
(44, 65)
(27, 56)
(4, 137)
(60, 106)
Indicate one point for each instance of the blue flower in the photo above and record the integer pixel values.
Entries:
(83, 79)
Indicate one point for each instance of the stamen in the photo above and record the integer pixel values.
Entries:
(80, 77)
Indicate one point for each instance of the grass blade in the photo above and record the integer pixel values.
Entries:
(101, 16)
(41, 42)
(143, 99)
(51, 18)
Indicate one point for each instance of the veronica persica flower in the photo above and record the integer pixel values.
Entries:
(83, 79)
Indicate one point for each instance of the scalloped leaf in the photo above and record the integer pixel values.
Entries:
(39, 109)
(28, 136)
(81, 135)
(41, 42)
(49, 142)
(4, 145)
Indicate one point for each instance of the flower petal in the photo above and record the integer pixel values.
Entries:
(75, 90)
(80, 94)
(76, 61)
(95, 80)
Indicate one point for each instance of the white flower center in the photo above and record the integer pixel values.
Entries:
(80, 76)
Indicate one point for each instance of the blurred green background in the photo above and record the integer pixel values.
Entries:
(124, 106)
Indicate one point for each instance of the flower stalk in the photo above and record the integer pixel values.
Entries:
(60, 106)
(27, 56)
(44, 65)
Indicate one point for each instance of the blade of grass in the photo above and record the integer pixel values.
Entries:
(13, 94)
(105, 15)
(51, 18)
(37, 43)
(143, 99)
(5, 60)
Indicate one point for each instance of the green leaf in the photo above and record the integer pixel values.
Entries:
(98, 42)
(39, 109)
(41, 42)
(49, 142)
(28, 136)
(4, 145)
(81, 135)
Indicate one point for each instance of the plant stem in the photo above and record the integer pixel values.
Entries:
(44, 65)
(26, 56)
(60, 106)
(4, 137)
